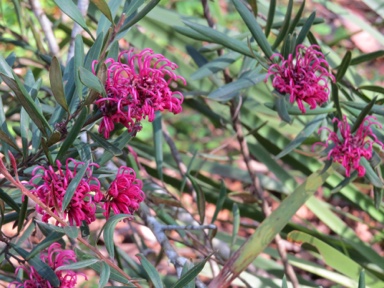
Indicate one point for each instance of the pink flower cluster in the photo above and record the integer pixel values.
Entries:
(349, 148)
(137, 89)
(123, 196)
(304, 78)
(54, 257)
(52, 191)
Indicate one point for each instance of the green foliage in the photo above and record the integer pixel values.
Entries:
(238, 146)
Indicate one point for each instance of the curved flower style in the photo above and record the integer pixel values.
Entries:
(54, 257)
(304, 79)
(124, 194)
(348, 149)
(51, 192)
(137, 89)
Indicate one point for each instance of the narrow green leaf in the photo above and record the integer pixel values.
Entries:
(371, 174)
(52, 237)
(272, 225)
(282, 110)
(361, 279)
(372, 88)
(22, 213)
(367, 57)
(220, 201)
(43, 269)
(5, 68)
(72, 186)
(236, 224)
(271, 15)
(284, 28)
(231, 90)
(105, 144)
(120, 143)
(152, 4)
(153, 275)
(7, 139)
(378, 196)
(109, 229)
(223, 39)
(216, 65)
(335, 98)
(284, 284)
(360, 119)
(254, 27)
(78, 265)
(190, 275)
(200, 198)
(343, 66)
(158, 142)
(184, 180)
(104, 275)
(84, 150)
(91, 81)
(296, 111)
(104, 24)
(103, 7)
(71, 231)
(296, 20)
(27, 102)
(73, 134)
(305, 29)
(333, 257)
(191, 34)
(309, 128)
(71, 10)
(56, 79)
(93, 53)
(7, 199)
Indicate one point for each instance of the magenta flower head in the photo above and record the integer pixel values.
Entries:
(137, 85)
(304, 78)
(124, 194)
(54, 257)
(54, 185)
(348, 148)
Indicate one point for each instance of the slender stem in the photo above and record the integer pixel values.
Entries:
(46, 26)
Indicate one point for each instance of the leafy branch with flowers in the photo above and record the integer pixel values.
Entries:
(270, 174)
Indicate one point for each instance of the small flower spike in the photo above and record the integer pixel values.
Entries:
(54, 185)
(124, 194)
(137, 89)
(304, 78)
(348, 148)
(54, 257)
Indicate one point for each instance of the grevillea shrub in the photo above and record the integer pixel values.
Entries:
(191, 144)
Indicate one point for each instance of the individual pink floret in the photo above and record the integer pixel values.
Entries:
(54, 185)
(137, 85)
(304, 78)
(124, 194)
(349, 148)
(54, 257)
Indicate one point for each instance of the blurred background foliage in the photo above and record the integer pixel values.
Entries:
(341, 227)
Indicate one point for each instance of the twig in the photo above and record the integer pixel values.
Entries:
(158, 230)
(26, 192)
(188, 227)
(46, 26)
(77, 29)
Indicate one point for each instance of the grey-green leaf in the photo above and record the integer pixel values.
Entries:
(158, 142)
(103, 7)
(106, 144)
(56, 79)
(153, 275)
(109, 229)
(254, 27)
(72, 186)
(70, 9)
(191, 274)
(90, 80)
(78, 265)
(104, 275)
(309, 128)
(305, 29)
(344, 66)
